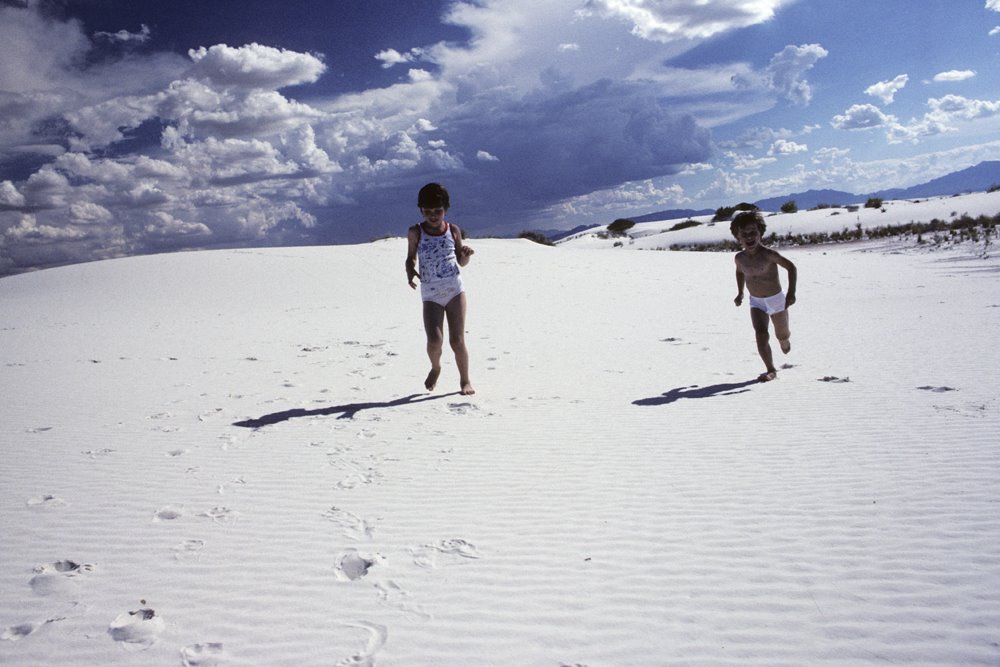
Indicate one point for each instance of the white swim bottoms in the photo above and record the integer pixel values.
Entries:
(769, 304)
(441, 292)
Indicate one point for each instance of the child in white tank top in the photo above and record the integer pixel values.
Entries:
(439, 248)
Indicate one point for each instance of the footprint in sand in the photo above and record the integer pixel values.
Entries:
(937, 390)
(45, 502)
(222, 515)
(352, 525)
(238, 481)
(834, 379)
(138, 629)
(352, 565)
(462, 408)
(427, 555)
(188, 550)
(203, 655)
(205, 416)
(58, 577)
(18, 632)
(360, 478)
(168, 513)
(389, 594)
(94, 453)
(360, 473)
(374, 639)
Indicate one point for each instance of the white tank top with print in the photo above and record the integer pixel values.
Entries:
(437, 256)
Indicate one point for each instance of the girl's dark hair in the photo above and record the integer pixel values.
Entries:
(433, 195)
(747, 218)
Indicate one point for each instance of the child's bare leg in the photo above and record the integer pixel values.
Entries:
(760, 323)
(456, 337)
(434, 327)
(782, 331)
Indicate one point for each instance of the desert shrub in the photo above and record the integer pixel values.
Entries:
(789, 207)
(874, 202)
(620, 226)
(537, 237)
(684, 225)
(819, 207)
(993, 188)
(723, 213)
(726, 212)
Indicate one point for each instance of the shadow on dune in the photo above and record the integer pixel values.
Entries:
(694, 391)
(346, 411)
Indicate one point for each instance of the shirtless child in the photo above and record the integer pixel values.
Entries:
(757, 268)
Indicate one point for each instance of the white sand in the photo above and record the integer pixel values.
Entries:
(618, 492)
(657, 235)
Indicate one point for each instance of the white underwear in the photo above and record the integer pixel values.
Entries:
(441, 292)
(771, 305)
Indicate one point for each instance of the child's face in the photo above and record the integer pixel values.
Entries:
(748, 235)
(433, 216)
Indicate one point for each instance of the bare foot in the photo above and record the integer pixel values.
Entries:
(786, 345)
(467, 389)
(768, 376)
(432, 379)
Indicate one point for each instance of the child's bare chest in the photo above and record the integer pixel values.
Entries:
(755, 265)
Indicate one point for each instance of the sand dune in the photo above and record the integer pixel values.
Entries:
(657, 235)
(228, 458)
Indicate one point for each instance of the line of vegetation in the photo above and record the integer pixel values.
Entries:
(684, 225)
(965, 228)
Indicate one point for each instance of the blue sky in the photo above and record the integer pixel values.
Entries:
(135, 126)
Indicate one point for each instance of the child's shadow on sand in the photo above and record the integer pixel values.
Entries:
(694, 391)
(346, 411)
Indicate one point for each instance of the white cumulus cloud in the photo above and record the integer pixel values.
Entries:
(9, 196)
(886, 90)
(954, 75)
(686, 19)
(255, 66)
(391, 57)
(785, 147)
(862, 117)
(788, 67)
(957, 107)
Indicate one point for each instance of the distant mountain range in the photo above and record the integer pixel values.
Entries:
(974, 179)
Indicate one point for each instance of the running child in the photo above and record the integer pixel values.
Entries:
(438, 246)
(757, 268)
